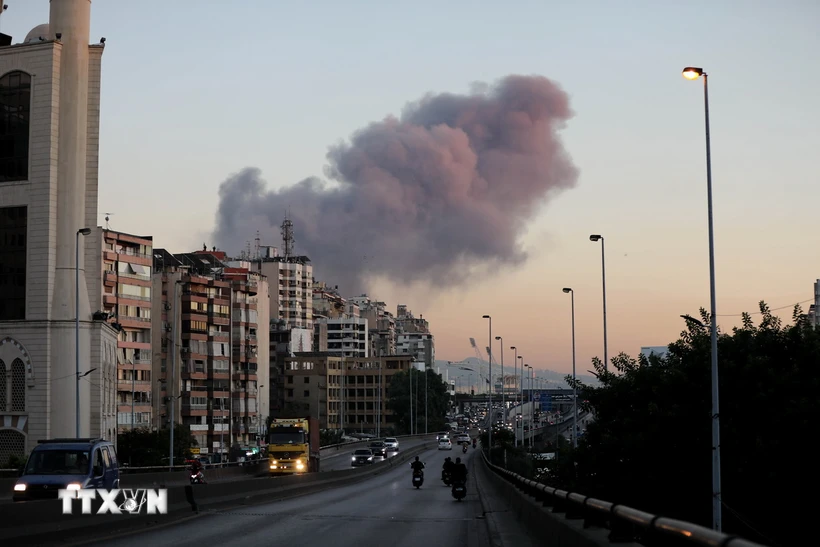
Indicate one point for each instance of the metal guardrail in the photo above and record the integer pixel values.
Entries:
(624, 523)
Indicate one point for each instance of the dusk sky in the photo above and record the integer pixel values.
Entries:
(196, 90)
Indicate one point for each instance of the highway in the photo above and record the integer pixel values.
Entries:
(383, 510)
(336, 461)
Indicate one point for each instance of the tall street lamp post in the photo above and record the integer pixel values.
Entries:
(84, 232)
(490, 391)
(515, 374)
(574, 388)
(597, 237)
(503, 405)
(693, 73)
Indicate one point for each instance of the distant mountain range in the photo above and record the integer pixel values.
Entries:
(455, 369)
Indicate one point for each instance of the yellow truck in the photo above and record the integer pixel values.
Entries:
(293, 446)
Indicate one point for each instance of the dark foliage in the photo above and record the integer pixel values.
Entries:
(398, 400)
(145, 448)
(650, 444)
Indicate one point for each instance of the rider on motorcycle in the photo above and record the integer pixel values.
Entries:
(474, 441)
(447, 468)
(459, 472)
(197, 469)
(417, 466)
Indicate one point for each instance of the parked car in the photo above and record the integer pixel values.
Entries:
(363, 456)
(72, 464)
(445, 444)
(392, 444)
(378, 448)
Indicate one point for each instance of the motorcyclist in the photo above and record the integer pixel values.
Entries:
(474, 442)
(459, 472)
(417, 465)
(447, 468)
(197, 468)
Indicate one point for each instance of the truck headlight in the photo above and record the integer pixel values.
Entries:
(300, 465)
(19, 487)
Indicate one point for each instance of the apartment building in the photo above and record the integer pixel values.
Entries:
(420, 345)
(348, 337)
(381, 323)
(348, 393)
(291, 282)
(327, 302)
(127, 262)
(210, 313)
(406, 322)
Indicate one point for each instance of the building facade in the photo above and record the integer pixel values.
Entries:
(348, 336)
(50, 95)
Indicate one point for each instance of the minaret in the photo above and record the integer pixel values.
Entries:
(71, 20)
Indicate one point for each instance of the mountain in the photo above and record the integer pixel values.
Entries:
(455, 370)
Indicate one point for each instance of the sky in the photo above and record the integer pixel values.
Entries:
(195, 91)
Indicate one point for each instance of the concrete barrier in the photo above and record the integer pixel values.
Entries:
(42, 522)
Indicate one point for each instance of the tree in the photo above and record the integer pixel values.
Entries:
(143, 447)
(399, 400)
(650, 444)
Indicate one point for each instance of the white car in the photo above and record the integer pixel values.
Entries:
(463, 439)
(392, 444)
(445, 444)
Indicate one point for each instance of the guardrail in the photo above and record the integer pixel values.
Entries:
(624, 524)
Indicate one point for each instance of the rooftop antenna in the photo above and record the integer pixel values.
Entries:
(258, 240)
(107, 218)
(287, 235)
(248, 251)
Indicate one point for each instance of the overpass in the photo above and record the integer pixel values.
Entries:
(354, 506)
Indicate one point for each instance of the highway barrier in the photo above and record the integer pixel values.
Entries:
(42, 522)
(566, 518)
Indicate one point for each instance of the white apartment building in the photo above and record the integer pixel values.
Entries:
(420, 345)
(291, 287)
(348, 336)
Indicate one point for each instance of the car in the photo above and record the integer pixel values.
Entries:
(378, 448)
(71, 464)
(463, 439)
(392, 444)
(363, 456)
(445, 444)
(440, 436)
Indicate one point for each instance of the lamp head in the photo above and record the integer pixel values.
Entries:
(485, 317)
(595, 237)
(567, 290)
(84, 231)
(498, 338)
(513, 347)
(692, 73)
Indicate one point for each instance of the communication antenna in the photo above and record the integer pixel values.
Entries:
(258, 241)
(107, 218)
(287, 235)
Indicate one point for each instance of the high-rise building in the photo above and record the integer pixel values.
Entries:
(49, 139)
(127, 263)
(348, 337)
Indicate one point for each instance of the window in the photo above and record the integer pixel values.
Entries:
(15, 115)
(13, 232)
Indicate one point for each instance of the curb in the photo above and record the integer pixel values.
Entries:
(493, 533)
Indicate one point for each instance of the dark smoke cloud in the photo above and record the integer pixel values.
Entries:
(433, 196)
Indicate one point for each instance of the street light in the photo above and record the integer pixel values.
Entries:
(85, 232)
(515, 374)
(521, 362)
(574, 389)
(503, 406)
(490, 390)
(693, 73)
(596, 237)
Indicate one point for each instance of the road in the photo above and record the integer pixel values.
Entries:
(383, 510)
(335, 461)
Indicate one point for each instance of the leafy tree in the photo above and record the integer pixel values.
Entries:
(143, 447)
(650, 443)
(399, 400)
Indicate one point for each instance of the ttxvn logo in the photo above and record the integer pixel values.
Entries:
(117, 502)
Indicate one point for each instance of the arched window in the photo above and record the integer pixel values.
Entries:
(18, 386)
(3, 393)
(15, 117)
(12, 443)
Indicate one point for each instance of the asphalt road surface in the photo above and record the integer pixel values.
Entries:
(335, 461)
(385, 510)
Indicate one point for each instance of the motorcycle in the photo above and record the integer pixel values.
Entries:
(459, 490)
(474, 443)
(464, 448)
(445, 477)
(197, 478)
(418, 478)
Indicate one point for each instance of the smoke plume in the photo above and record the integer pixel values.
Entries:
(436, 195)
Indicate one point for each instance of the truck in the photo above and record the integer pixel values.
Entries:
(293, 446)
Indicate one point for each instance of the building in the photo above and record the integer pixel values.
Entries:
(348, 336)
(212, 314)
(314, 387)
(420, 345)
(814, 309)
(381, 323)
(50, 94)
(127, 264)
